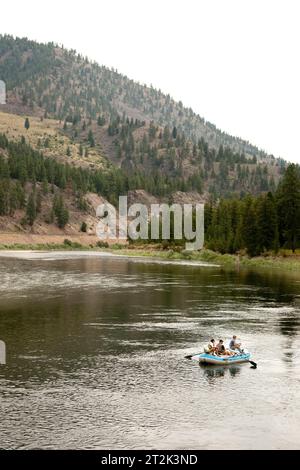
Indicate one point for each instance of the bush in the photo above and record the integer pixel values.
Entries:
(83, 227)
(117, 246)
(165, 244)
(102, 244)
(76, 245)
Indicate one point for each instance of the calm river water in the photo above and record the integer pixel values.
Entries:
(96, 346)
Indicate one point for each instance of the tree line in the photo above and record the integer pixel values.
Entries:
(251, 224)
(29, 165)
(257, 224)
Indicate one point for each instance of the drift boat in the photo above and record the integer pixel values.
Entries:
(205, 358)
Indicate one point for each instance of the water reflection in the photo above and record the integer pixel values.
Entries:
(214, 372)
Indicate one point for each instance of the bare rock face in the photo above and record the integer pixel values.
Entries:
(142, 197)
(179, 197)
(187, 198)
(94, 200)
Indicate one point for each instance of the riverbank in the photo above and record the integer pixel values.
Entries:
(285, 260)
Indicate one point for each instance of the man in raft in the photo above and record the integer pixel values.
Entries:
(234, 346)
(211, 347)
(221, 350)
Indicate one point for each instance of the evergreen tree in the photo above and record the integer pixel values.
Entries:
(38, 202)
(31, 209)
(60, 211)
(267, 223)
(288, 201)
(45, 186)
(249, 227)
(101, 121)
(4, 198)
(27, 124)
(91, 138)
(83, 227)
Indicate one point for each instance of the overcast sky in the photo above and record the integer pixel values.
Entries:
(235, 62)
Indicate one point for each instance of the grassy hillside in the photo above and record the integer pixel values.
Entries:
(48, 136)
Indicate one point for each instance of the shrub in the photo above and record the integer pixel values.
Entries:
(83, 227)
(101, 244)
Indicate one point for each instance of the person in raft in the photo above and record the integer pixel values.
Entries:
(211, 347)
(221, 350)
(234, 346)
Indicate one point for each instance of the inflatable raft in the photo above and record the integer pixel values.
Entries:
(221, 360)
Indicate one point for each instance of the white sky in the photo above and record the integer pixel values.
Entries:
(235, 62)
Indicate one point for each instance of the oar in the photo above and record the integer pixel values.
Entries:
(253, 364)
(192, 355)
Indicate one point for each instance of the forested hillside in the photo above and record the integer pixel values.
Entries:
(73, 131)
(257, 224)
(260, 225)
(134, 127)
(64, 83)
(31, 181)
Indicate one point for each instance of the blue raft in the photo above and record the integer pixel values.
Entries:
(222, 360)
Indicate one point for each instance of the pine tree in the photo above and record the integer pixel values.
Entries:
(267, 223)
(4, 200)
(83, 227)
(101, 121)
(27, 124)
(249, 227)
(288, 202)
(45, 186)
(91, 139)
(38, 202)
(20, 195)
(31, 209)
(60, 211)
(63, 218)
(13, 200)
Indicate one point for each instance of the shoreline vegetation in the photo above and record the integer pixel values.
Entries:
(283, 260)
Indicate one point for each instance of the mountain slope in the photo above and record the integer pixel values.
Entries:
(63, 82)
(147, 135)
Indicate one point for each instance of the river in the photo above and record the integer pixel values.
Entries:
(96, 345)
